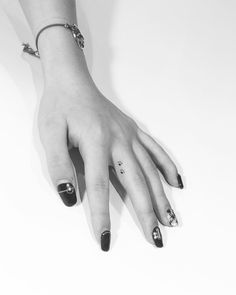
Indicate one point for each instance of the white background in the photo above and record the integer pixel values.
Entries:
(172, 66)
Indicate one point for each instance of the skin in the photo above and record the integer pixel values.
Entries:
(73, 106)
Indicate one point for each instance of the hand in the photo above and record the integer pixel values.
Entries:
(105, 137)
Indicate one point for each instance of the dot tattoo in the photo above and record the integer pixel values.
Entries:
(122, 171)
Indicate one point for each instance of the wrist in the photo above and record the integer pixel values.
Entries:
(59, 49)
(63, 61)
(57, 44)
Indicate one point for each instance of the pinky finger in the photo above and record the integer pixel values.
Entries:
(161, 159)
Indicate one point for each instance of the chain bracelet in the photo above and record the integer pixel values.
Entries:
(75, 33)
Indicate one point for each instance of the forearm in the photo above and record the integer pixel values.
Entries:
(41, 12)
(58, 50)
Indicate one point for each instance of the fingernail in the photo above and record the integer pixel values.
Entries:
(105, 240)
(172, 217)
(157, 238)
(180, 182)
(67, 193)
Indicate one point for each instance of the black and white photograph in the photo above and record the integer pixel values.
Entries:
(117, 125)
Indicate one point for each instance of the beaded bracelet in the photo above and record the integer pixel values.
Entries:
(73, 28)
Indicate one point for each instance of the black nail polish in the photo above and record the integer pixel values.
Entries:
(105, 240)
(180, 182)
(172, 217)
(157, 238)
(67, 193)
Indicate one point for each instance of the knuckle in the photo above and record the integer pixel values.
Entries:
(100, 186)
(140, 131)
(49, 122)
(124, 137)
(132, 123)
(99, 133)
(97, 137)
(122, 142)
(49, 128)
(55, 164)
(145, 214)
(138, 179)
(148, 163)
(54, 159)
(100, 214)
(152, 169)
(172, 169)
(125, 133)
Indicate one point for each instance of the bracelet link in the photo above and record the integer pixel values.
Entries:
(76, 34)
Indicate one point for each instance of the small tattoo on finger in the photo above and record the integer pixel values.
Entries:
(122, 171)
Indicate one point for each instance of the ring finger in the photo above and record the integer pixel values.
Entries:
(131, 177)
(161, 204)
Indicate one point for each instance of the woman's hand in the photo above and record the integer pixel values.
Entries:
(73, 111)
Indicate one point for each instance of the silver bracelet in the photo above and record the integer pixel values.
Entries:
(73, 28)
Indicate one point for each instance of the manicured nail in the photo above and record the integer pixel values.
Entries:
(180, 182)
(105, 240)
(171, 217)
(157, 238)
(67, 193)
